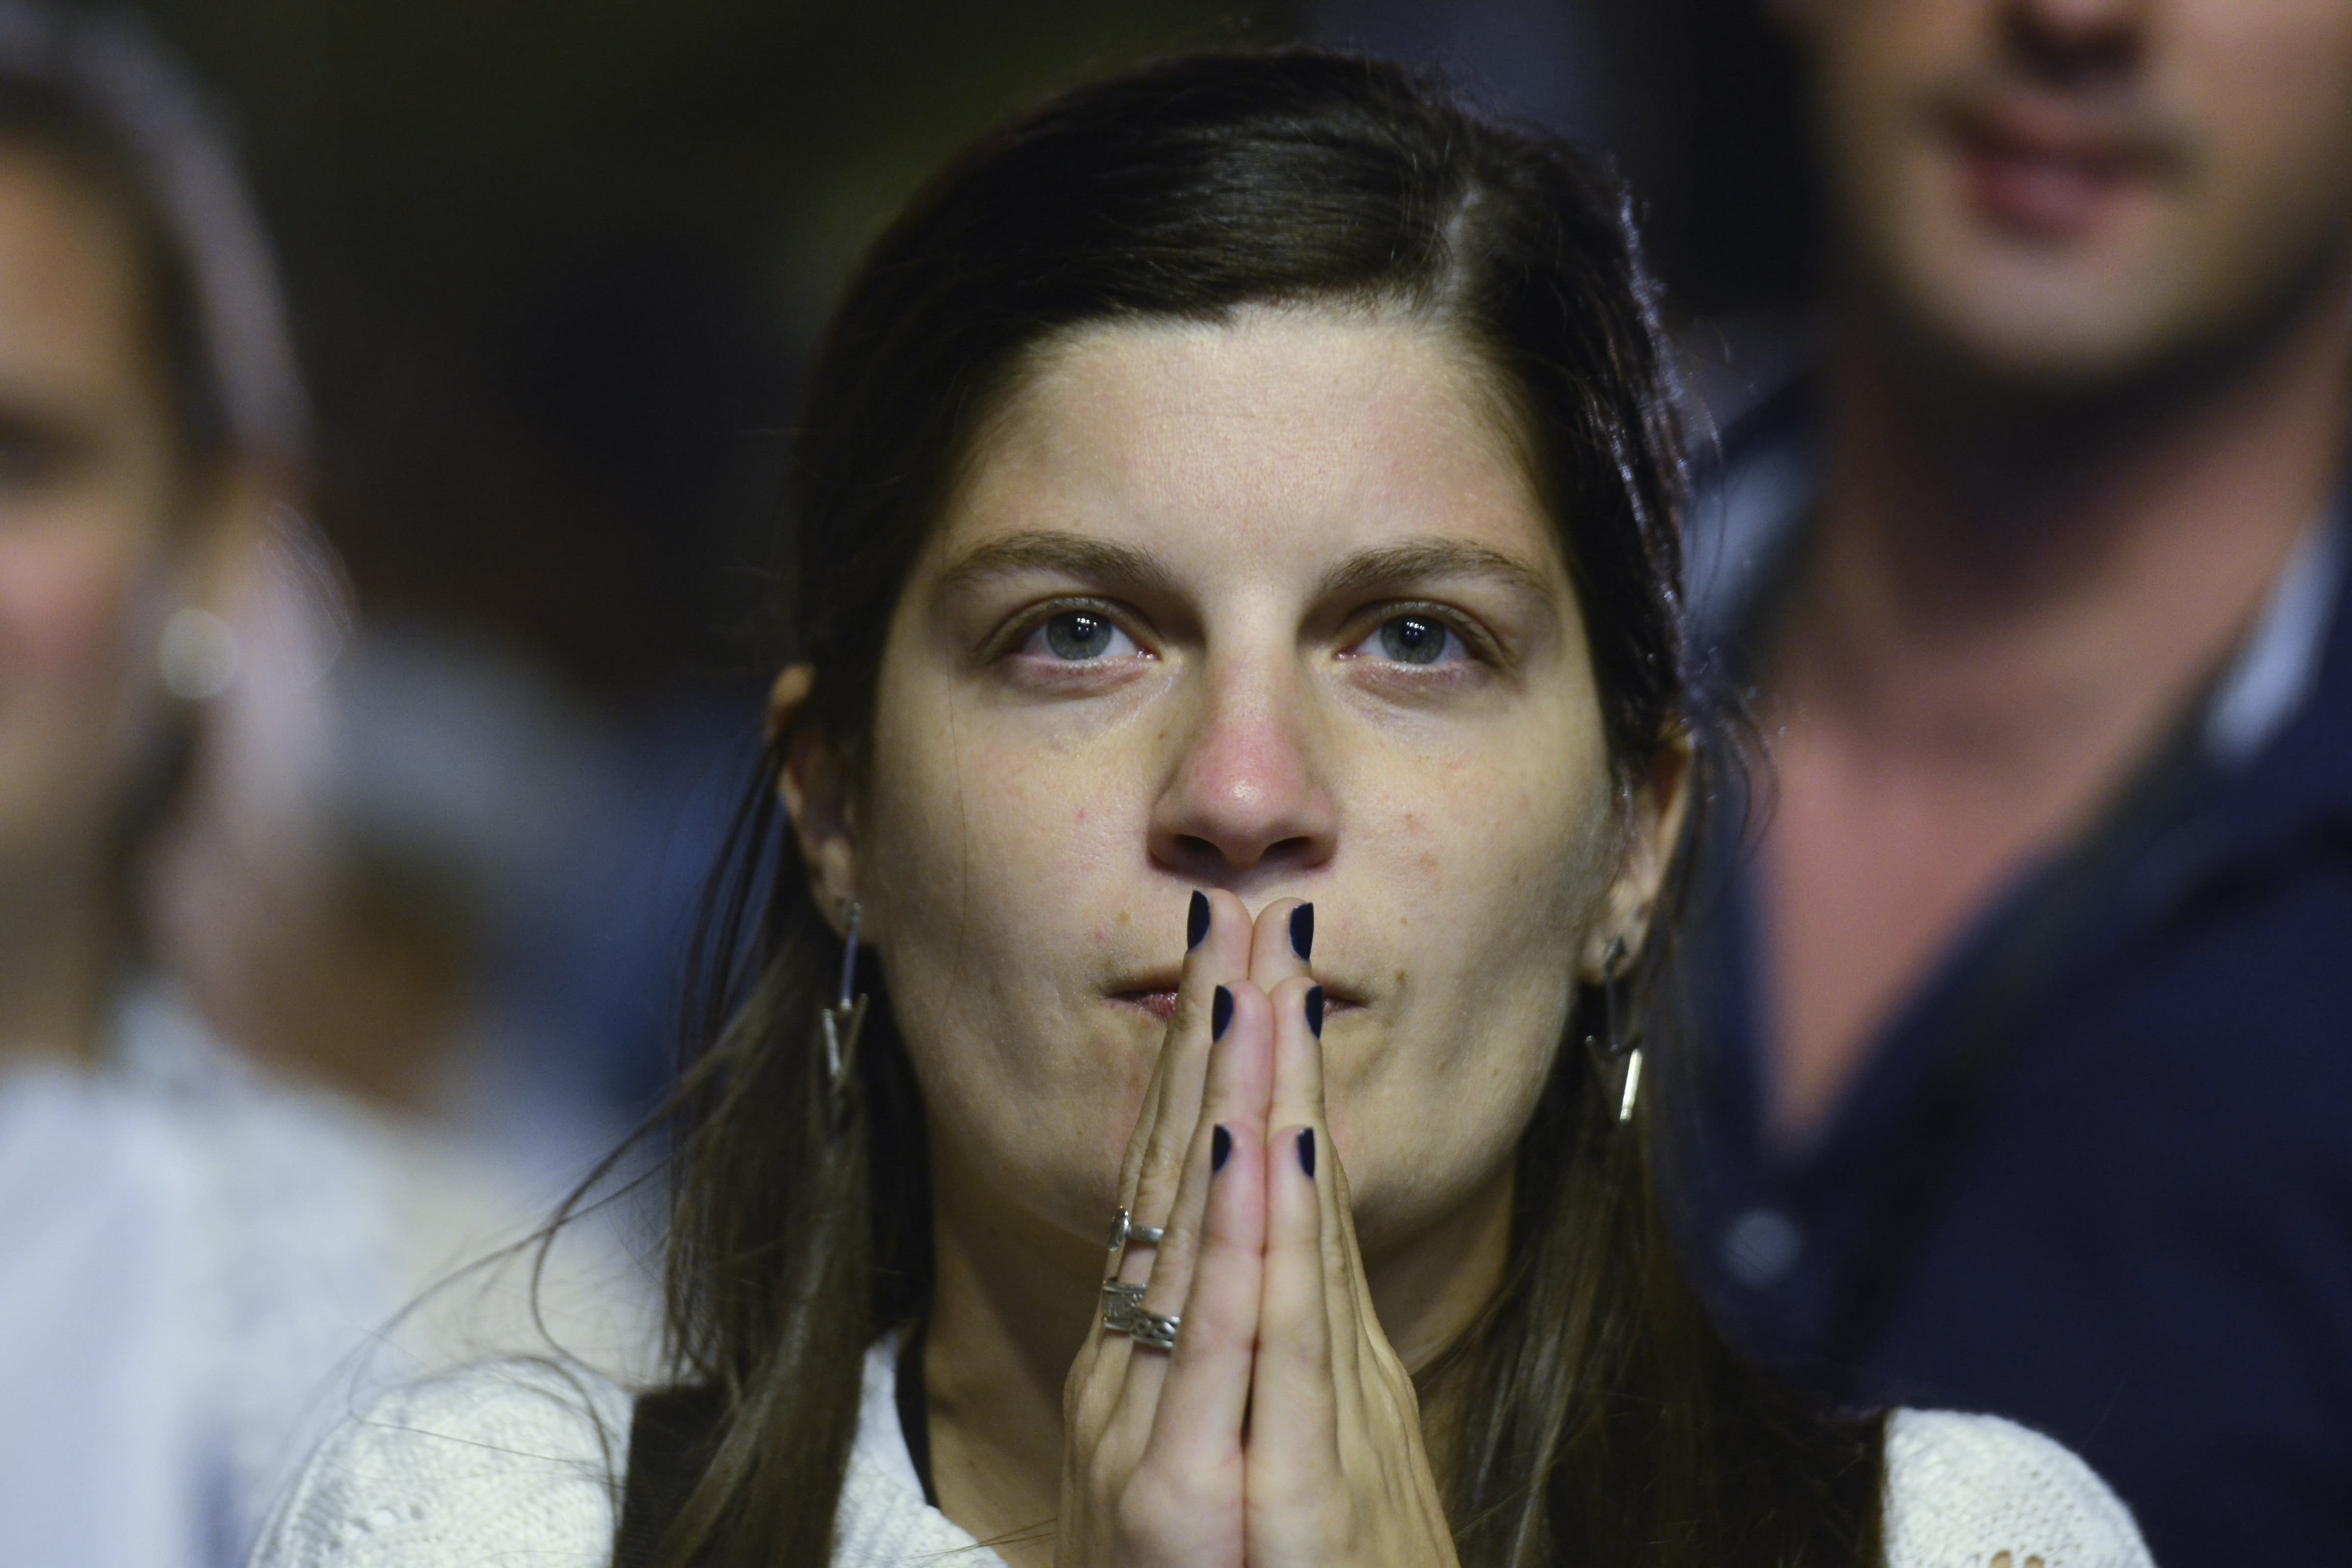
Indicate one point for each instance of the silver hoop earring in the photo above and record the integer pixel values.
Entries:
(197, 656)
(842, 1022)
(1613, 1035)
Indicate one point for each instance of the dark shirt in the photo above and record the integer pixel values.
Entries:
(2138, 1235)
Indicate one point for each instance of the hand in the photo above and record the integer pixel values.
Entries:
(1283, 1429)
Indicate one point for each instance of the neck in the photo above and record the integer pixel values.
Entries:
(58, 946)
(2009, 569)
(1011, 1302)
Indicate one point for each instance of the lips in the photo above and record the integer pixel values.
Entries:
(1158, 999)
(2047, 171)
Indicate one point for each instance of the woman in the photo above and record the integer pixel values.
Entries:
(194, 1246)
(1237, 499)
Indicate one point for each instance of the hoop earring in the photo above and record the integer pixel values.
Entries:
(841, 1023)
(197, 656)
(1612, 1035)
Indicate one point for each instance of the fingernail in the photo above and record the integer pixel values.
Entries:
(1302, 931)
(1196, 920)
(1220, 1144)
(1306, 1151)
(1221, 1012)
(1315, 1010)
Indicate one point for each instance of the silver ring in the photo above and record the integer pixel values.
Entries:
(1123, 1230)
(1157, 1330)
(1120, 1302)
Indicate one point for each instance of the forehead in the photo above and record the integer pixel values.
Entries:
(70, 321)
(1269, 433)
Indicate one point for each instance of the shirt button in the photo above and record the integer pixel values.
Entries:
(1760, 1246)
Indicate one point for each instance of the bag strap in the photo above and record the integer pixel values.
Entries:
(671, 1431)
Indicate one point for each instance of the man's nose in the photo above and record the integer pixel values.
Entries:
(1246, 792)
(2074, 43)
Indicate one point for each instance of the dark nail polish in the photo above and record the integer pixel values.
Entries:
(1315, 1011)
(1306, 1151)
(1196, 920)
(1221, 1012)
(1220, 1144)
(1302, 931)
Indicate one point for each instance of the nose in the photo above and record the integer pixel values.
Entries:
(2074, 43)
(1245, 793)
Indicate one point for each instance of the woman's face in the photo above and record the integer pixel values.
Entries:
(1268, 606)
(88, 487)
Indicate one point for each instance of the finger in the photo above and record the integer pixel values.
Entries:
(1218, 959)
(1297, 1097)
(1294, 1447)
(1280, 942)
(1206, 1392)
(1234, 1098)
(1298, 1101)
(1216, 938)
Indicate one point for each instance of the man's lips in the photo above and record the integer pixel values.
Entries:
(2048, 171)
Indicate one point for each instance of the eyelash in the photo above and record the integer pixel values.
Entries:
(1017, 633)
(1477, 641)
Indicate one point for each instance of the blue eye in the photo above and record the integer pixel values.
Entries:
(1413, 640)
(1079, 634)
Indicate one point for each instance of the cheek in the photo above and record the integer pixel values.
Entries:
(67, 609)
(2275, 105)
(76, 683)
(1483, 877)
(1026, 835)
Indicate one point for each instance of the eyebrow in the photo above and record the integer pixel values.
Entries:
(1429, 560)
(1124, 567)
(1072, 554)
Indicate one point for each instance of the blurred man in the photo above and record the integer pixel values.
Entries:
(2028, 1011)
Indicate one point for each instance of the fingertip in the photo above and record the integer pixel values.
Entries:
(1306, 1151)
(1221, 1012)
(1196, 919)
(1302, 931)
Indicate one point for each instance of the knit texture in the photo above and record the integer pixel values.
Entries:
(520, 1463)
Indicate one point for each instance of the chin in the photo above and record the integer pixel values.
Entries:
(2039, 330)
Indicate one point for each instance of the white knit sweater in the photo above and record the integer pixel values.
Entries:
(520, 1463)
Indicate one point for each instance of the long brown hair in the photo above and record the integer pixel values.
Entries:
(1607, 1424)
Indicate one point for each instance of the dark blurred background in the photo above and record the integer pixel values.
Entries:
(555, 270)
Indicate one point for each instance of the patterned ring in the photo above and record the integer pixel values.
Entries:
(1120, 1302)
(1157, 1330)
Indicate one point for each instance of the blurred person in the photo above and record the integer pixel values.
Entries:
(2029, 1086)
(1235, 695)
(193, 1249)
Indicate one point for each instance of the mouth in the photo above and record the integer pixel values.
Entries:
(2049, 171)
(1157, 997)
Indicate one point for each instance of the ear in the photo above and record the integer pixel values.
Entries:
(226, 537)
(1654, 831)
(814, 787)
